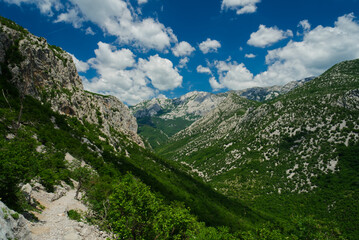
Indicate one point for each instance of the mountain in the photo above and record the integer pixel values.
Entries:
(161, 118)
(295, 154)
(280, 169)
(48, 74)
(262, 94)
(55, 133)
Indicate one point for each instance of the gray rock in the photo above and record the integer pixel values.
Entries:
(12, 224)
(49, 75)
(27, 191)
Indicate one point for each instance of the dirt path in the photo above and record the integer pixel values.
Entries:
(54, 223)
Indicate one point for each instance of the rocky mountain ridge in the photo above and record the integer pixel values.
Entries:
(240, 127)
(48, 74)
(160, 118)
(295, 149)
(197, 104)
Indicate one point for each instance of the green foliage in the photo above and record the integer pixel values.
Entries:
(157, 131)
(136, 213)
(15, 216)
(13, 25)
(74, 215)
(58, 53)
(13, 55)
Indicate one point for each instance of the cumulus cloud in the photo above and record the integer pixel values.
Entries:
(240, 6)
(108, 57)
(183, 49)
(72, 16)
(234, 76)
(161, 73)
(215, 85)
(310, 57)
(89, 31)
(201, 69)
(305, 25)
(296, 60)
(209, 46)
(183, 62)
(249, 55)
(80, 65)
(114, 17)
(265, 37)
(130, 80)
(117, 18)
(45, 6)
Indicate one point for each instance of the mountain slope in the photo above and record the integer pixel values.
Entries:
(291, 151)
(161, 118)
(39, 133)
(48, 74)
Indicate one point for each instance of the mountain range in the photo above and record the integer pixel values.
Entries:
(161, 118)
(262, 163)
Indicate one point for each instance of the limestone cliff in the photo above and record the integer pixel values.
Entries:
(48, 74)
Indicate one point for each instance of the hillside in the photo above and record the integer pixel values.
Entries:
(160, 118)
(46, 116)
(296, 154)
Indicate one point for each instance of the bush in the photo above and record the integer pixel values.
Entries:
(137, 213)
(74, 215)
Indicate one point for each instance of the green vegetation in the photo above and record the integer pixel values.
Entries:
(156, 131)
(21, 161)
(58, 53)
(296, 155)
(74, 215)
(283, 175)
(13, 25)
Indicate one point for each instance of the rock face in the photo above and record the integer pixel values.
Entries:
(268, 93)
(48, 74)
(290, 141)
(190, 106)
(12, 224)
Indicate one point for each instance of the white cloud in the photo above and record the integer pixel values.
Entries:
(80, 65)
(250, 55)
(215, 84)
(72, 16)
(296, 60)
(117, 18)
(142, 1)
(183, 49)
(234, 76)
(265, 37)
(240, 6)
(108, 57)
(161, 73)
(130, 80)
(183, 62)
(114, 17)
(45, 6)
(305, 25)
(209, 46)
(89, 31)
(118, 75)
(202, 69)
(321, 48)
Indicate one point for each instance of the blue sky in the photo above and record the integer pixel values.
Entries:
(140, 49)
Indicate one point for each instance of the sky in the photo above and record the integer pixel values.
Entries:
(141, 49)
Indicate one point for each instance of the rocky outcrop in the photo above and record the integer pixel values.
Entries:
(12, 224)
(268, 93)
(190, 106)
(48, 74)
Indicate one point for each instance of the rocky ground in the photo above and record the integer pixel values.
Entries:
(54, 223)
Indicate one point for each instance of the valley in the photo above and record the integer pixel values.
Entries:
(263, 163)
